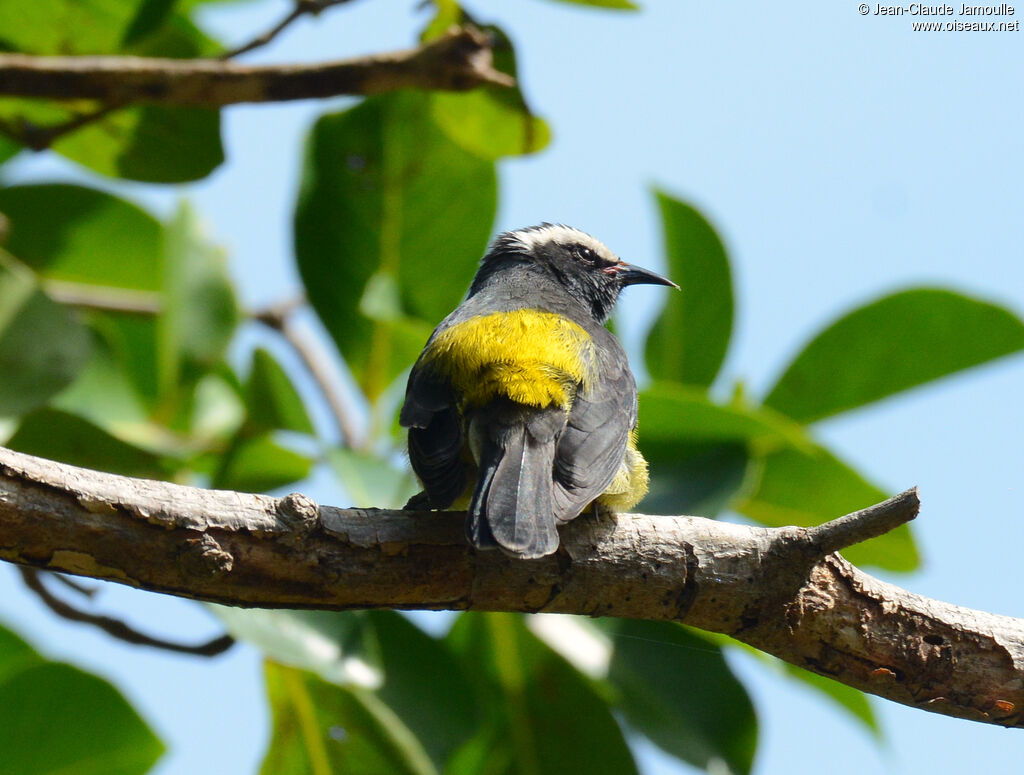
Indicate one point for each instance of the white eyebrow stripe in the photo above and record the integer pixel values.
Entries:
(559, 233)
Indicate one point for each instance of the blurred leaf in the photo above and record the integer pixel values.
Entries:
(149, 16)
(272, 400)
(543, 716)
(618, 5)
(673, 414)
(58, 719)
(58, 435)
(339, 646)
(15, 654)
(425, 685)
(699, 451)
(698, 479)
(105, 396)
(890, 345)
(448, 13)
(260, 464)
(132, 342)
(77, 234)
(8, 148)
(808, 487)
(371, 481)
(148, 143)
(689, 340)
(490, 121)
(217, 409)
(676, 688)
(387, 196)
(853, 701)
(43, 346)
(322, 728)
(64, 26)
(200, 312)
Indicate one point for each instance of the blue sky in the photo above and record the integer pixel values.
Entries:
(841, 157)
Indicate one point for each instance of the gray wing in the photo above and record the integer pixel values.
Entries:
(431, 414)
(593, 443)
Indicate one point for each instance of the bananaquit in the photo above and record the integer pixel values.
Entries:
(523, 400)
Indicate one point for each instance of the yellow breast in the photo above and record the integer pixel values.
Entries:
(531, 357)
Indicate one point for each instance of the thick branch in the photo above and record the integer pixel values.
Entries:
(456, 61)
(766, 587)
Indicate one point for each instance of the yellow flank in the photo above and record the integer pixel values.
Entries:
(631, 480)
(534, 358)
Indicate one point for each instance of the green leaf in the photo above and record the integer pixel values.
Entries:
(890, 345)
(64, 26)
(58, 719)
(673, 414)
(699, 451)
(58, 435)
(272, 400)
(43, 346)
(76, 234)
(808, 487)
(370, 480)
(699, 479)
(132, 342)
(260, 464)
(491, 121)
(425, 685)
(388, 202)
(676, 688)
(148, 143)
(339, 646)
(322, 728)
(15, 654)
(542, 715)
(8, 148)
(149, 16)
(689, 341)
(200, 312)
(615, 5)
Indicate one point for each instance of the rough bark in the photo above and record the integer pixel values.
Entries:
(459, 60)
(776, 589)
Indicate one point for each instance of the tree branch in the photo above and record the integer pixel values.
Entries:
(278, 318)
(457, 61)
(771, 588)
(302, 8)
(115, 627)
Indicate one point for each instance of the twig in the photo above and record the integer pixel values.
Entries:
(278, 318)
(117, 628)
(302, 8)
(864, 524)
(457, 61)
(98, 297)
(70, 583)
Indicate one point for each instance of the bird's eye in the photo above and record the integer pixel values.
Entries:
(586, 255)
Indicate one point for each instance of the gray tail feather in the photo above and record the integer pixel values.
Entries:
(511, 507)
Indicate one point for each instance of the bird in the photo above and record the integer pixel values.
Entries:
(521, 407)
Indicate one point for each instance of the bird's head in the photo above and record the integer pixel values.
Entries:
(584, 266)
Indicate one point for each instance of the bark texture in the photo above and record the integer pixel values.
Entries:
(776, 589)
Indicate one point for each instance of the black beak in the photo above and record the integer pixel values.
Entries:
(635, 275)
